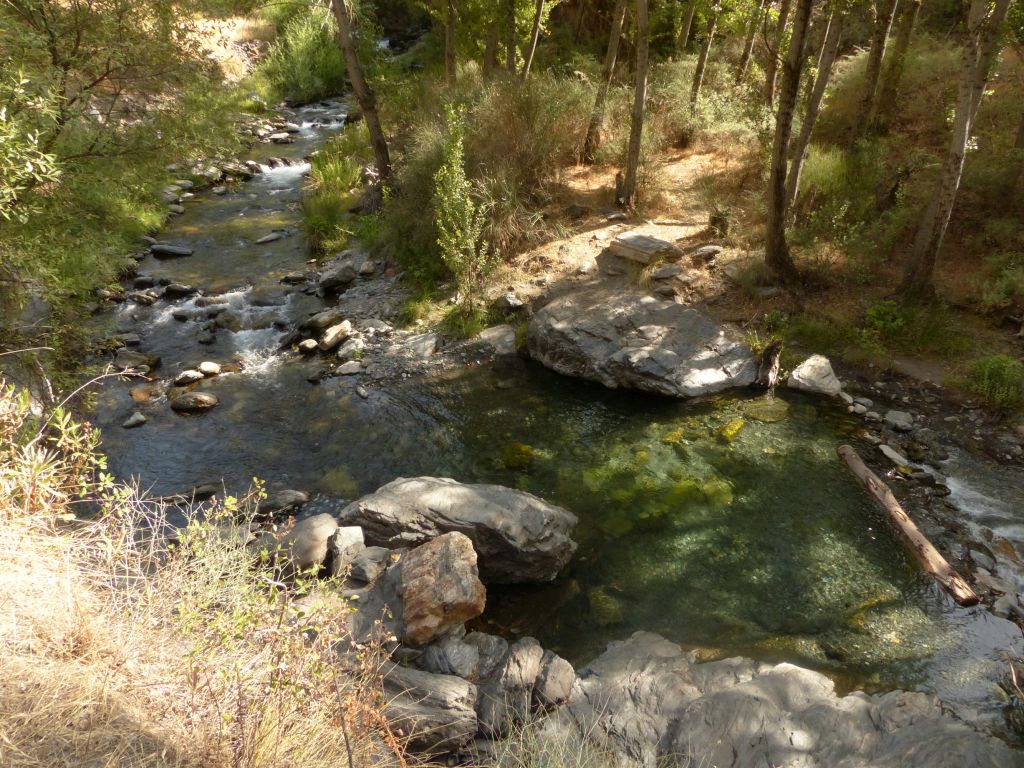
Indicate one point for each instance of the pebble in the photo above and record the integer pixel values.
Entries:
(176, 209)
(363, 392)
(220, 190)
(901, 421)
(269, 238)
(189, 376)
(349, 368)
(872, 416)
(893, 455)
(308, 346)
(209, 368)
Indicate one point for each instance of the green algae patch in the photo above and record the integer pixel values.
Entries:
(731, 431)
(518, 457)
(605, 609)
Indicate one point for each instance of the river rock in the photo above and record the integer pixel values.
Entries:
(126, 359)
(815, 375)
(504, 699)
(308, 346)
(350, 368)
(269, 238)
(451, 656)
(893, 455)
(135, 420)
(369, 563)
(301, 547)
(492, 651)
(194, 402)
(334, 335)
(901, 421)
(628, 339)
(162, 250)
(338, 276)
(179, 290)
(554, 681)
(519, 537)
(187, 377)
(209, 368)
(323, 320)
(342, 548)
(281, 502)
(433, 712)
(351, 349)
(500, 338)
(648, 701)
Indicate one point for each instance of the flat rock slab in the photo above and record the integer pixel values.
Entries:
(628, 339)
(519, 537)
(166, 250)
(640, 248)
(650, 702)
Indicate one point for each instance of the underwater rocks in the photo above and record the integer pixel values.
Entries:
(631, 340)
(648, 701)
(519, 537)
(194, 402)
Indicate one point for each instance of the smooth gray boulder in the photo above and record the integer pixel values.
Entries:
(302, 546)
(280, 503)
(628, 339)
(504, 699)
(815, 375)
(434, 712)
(519, 537)
(649, 701)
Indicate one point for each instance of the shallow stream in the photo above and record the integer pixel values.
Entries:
(727, 524)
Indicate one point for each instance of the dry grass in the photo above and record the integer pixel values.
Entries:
(120, 646)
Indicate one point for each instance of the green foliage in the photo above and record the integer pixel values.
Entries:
(999, 379)
(333, 188)
(24, 163)
(1004, 287)
(304, 64)
(460, 220)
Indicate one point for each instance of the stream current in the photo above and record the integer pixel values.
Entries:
(726, 524)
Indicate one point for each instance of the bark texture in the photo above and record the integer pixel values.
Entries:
(593, 139)
(748, 42)
(534, 37)
(775, 53)
(897, 63)
(885, 11)
(686, 26)
(702, 60)
(636, 127)
(449, 43)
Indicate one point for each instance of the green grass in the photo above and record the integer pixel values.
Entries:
(304, 64)
(999, 379)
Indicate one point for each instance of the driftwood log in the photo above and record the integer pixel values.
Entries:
(929, 558)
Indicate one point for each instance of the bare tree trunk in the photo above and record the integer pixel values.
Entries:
(702, 59)
(593, 139)
(365, 97)
(748, 43)
(511, 34)
(775, 56)
(449, 44)
(579, 21)
(777, 256)
(885, 11)
(897, 62)
(491, 49)
(686, 26)
(636, 126)
(981, 41)
(534, 37)
(829, 51)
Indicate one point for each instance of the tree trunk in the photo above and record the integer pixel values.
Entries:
(829, 51)
(593, 139)
(748, 43)
(885, 11)
(702, 59)
(777, 256)
(775, 56)
(491, 49)
(981, 41)
(449, 44)
(686, 26)
(365, 97)
(897, 62)
(534, 37)
(579, 21)
(511, 33)
(928, 557)
(636, 126)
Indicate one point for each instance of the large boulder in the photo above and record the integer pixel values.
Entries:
(505, 697)
(815, 375)
(649, 701)
(632, 340)
(429, 592)
(434, 713)
(519, 537)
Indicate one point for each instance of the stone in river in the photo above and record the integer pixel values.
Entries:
(209, 368)
(135, 420)
(188, 377)
(166, 249)
(350, 368)
(269, 238)
(194, 402)
(815, 375)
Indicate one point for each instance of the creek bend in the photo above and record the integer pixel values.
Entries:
(756, 543)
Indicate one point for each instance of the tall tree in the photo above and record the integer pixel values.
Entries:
(748, 42)
(491, 48)
(685, 25)
(980, 45)
(884, 11)
(775, 52)
(636, 125)
(593, 140)
(777, 256)
(829, 52)
(897, 61)
(450, 19)
(511, 33)
(364, 95)
(702, 59)
(538, 16)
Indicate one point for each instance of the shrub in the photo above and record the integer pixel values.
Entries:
(333, 188)
(305, 64)
(460, 220)
(999, 379)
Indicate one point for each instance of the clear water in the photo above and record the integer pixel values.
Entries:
(726, 524)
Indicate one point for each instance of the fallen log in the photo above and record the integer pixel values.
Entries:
(929, 558)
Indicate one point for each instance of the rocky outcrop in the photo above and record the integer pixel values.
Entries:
(648, 701)
(426, 594)
(519, 537)
(625, 339)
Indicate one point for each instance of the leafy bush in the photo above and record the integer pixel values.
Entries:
(333, 187)
(999, 379)
(305, 64)
(460, 220)
(1004, 286)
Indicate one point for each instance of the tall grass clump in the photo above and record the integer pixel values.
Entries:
(999, 379)
(124, 641)
(304, 63)
(334, 179)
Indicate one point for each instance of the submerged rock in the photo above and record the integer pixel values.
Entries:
(633, 340)
(648, 701)
(519, 537)
(194, 402)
